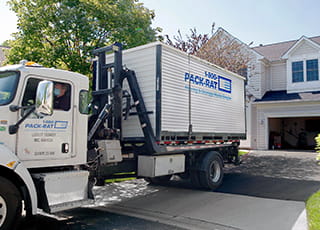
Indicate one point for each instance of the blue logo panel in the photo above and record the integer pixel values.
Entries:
(224, 84)
(60, 124)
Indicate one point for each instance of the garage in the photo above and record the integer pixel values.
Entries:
(290, 124)
(293, 132)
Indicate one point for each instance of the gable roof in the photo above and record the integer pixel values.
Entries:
(224, 32)
(302, 39)
(274, 52)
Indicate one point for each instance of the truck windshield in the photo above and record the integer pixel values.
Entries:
(8, 84)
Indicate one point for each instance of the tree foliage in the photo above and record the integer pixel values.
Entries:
(193, 43)
(220, 49)
(62, 33)
(6, 43)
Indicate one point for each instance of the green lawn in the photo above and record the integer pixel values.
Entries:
(131, 176)
(243, 152)
(313, 211)
(119, 179)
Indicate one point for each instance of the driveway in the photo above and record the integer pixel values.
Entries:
(268, 191)
(284, 175)
(280, 164)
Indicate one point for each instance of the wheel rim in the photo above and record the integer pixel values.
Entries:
(215, 172)
(3, 210)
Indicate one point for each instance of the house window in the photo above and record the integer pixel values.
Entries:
(312, 70)
(297, 71)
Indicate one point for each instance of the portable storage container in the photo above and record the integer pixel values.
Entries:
(186, 97)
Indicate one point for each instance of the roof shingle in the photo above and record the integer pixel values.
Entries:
(274, 52)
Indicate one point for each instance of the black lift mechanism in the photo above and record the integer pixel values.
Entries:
(108, 97)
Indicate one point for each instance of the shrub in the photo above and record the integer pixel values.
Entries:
(318, 148)
(313, 213)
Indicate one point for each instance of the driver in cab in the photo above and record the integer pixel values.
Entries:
(61, 97)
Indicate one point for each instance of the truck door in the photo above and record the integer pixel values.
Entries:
(50, 137)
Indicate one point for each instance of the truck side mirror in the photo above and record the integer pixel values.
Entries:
(44, 98)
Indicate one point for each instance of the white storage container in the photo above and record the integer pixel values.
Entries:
(179, 90)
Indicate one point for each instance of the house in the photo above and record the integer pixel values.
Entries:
(283, 94)
(2, 54)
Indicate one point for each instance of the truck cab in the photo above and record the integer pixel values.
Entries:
(48, 141)
(41, 154)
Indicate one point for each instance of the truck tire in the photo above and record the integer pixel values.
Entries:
(100, 182)
(10, 205)
(194, 178)
(211, 171)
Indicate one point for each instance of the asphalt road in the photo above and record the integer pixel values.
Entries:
(253, 196)
(91, 219)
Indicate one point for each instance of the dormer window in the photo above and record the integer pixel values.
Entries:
(312, 70)
(297, 71)
(307, 70)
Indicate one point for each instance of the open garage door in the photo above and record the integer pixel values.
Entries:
(293, 133)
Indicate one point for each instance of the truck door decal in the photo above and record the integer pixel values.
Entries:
(43, 138)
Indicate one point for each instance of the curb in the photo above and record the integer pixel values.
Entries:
(301, 223)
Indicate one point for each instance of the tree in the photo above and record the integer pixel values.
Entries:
(6, 43)
(221, 49)
(62, 33)
(193, 43)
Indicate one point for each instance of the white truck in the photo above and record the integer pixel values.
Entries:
(154, 110)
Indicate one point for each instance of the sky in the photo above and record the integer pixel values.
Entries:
(257, 21)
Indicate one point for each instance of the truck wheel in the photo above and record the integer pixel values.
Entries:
(194, 178)
(10, 205)
(100, 182)
(159, 180)
(211, 171)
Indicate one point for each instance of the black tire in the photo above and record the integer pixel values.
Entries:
(100, 182)
(195, 178)
(159, 180)
(211, 171)
(10, 205)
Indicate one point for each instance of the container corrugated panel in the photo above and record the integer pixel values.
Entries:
(143, 61)
(217, 96)
(166, 77)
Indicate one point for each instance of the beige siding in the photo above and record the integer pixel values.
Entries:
(278, 76)
(264, 79)
(254, 124)
(254, 83)
(304, 49)
(251, 122)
